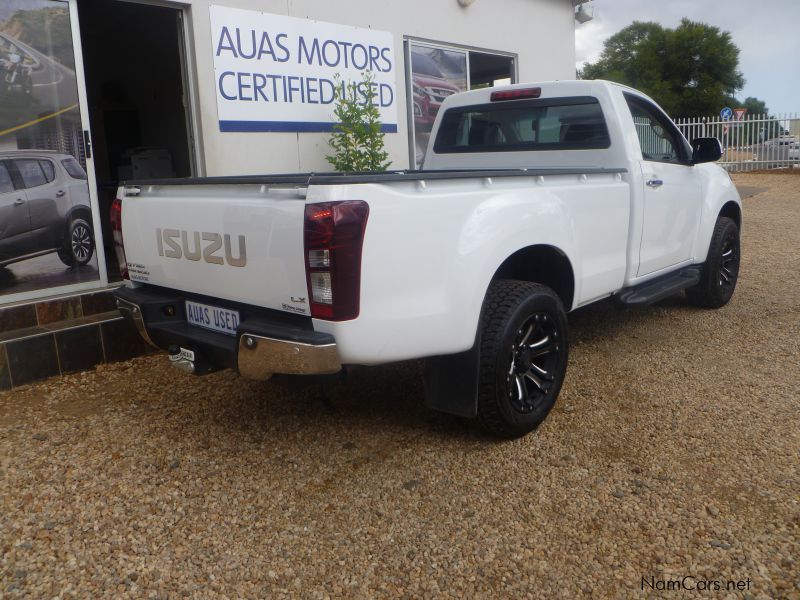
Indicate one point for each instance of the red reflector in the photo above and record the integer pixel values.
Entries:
(116, 234)
(516, 94)
(321, 214)
(333, 236)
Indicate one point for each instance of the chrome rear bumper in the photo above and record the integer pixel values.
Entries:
(261, 348)
(259, 357)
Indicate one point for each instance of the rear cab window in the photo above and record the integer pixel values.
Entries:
(569, 123)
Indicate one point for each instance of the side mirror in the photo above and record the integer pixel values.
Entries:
(706, 150)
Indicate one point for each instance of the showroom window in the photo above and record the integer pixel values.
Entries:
(435, 71)
(43, 122)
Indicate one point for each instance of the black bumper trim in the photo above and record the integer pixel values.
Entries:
(217, 350)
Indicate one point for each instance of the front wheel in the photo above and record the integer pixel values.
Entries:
(523, 356)
(721, 270)
(78, 244)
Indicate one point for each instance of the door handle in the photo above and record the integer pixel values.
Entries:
(60, 193)
(19, 201)
(654, 183)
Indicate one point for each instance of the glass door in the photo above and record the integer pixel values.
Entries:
(48, 206)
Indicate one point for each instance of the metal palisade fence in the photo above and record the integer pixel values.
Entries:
(751, 142)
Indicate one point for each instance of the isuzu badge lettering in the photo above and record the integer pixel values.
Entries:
(176, 243)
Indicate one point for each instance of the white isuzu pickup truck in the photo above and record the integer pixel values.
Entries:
(533, 200)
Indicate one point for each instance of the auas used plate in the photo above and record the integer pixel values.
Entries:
(214, 318)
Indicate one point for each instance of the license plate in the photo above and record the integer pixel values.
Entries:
(214, 318)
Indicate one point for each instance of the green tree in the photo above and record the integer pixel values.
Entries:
(357, 139)
(689, 70)
(754, 106)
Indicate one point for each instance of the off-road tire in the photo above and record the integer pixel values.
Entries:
(720, 272)
(509, 310)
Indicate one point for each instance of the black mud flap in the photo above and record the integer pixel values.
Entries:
(451, 383)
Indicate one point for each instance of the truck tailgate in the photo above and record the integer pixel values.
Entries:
(242, 243)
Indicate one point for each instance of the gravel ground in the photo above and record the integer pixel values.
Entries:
(673, 451)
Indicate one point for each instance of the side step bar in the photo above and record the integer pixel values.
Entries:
(659, 288)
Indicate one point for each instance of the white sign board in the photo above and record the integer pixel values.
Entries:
(277, 73)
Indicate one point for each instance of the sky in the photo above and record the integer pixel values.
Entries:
(766, 32)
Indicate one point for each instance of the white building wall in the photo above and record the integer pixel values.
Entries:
(540, 32)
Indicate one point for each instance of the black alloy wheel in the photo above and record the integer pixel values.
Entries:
(729, 262)
(523, 356)
(720, 272)
(534, 359)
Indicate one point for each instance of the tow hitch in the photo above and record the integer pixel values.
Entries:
(188, 361)
(182, 359)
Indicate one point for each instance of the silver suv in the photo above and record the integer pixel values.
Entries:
(44, 207)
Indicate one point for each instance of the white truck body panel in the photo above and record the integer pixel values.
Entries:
(422, 287)
(432, 246)
(270, 219)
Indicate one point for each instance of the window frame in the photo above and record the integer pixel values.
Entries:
(22, 181)
(682, 148)
(440, 148)
(70, 160)
(410, 41)
(4, 164)
(52, 169)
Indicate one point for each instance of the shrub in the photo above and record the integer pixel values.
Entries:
(357, 139)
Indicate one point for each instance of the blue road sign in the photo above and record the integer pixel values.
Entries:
(726, 113)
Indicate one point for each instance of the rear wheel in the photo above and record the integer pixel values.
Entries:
(721, 269)
(523, 358)
(78, 244)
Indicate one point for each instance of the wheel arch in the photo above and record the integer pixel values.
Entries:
(451, 381)
(733, 211)
(544, 264)
(79, 211)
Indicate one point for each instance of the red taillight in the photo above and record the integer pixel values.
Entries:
(334, 235)
(516, 94)
(116, 234)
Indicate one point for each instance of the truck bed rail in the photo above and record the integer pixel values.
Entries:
(333, 178)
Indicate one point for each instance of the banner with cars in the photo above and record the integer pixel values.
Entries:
(46, 226)
(436, 73)
(280, 73)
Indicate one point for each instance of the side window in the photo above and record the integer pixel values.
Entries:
(657, 136)
(49, 170)
(6, 184)
(74, 168)
(31, 172)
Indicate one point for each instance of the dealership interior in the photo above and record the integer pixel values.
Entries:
(138, 108)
